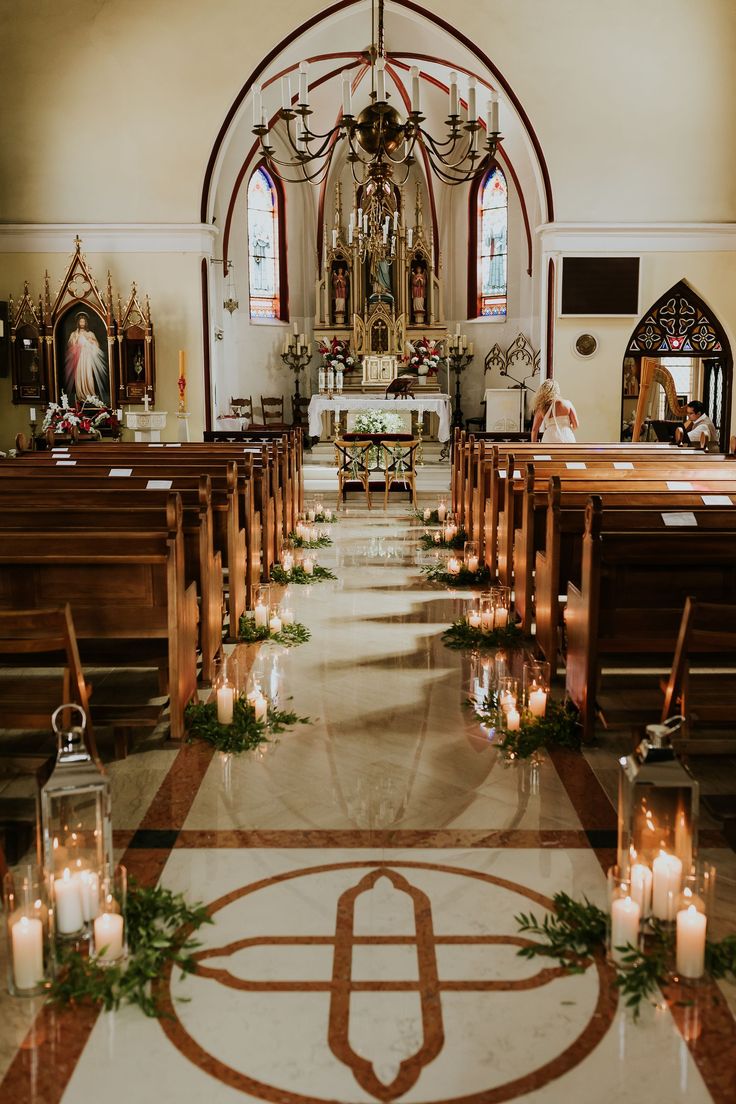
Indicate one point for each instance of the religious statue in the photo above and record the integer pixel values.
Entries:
(85, 362)
(418, 292)
(339, 294)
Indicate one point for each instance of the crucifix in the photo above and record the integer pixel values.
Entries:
(146, 402)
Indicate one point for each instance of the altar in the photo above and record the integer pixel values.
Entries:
(421, 404)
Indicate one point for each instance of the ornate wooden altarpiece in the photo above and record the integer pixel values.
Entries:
(77, 345)
(378, 322)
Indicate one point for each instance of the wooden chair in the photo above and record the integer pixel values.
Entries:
(244, 407)
(399, 466)
(707, 701)
(353, 466)
(272, 409)
(28, 703)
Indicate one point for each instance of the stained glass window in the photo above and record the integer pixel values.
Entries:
(493, 217)
(263, 246)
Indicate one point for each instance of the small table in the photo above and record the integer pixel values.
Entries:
(435, 404)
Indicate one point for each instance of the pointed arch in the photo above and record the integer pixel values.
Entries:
(488, 234)
(267, 274)
(679, 323)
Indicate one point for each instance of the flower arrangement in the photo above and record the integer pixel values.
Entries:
(424, 356)
(336, 355)
(376, 421)
(88, 417)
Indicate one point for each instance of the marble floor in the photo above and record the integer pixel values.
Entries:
(363, 874)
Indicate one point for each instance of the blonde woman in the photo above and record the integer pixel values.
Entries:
(554, 417)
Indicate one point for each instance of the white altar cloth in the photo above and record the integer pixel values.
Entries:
(434, 404)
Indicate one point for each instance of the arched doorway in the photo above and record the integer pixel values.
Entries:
(692, 358)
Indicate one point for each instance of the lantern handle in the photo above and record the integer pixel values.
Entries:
(68, 705)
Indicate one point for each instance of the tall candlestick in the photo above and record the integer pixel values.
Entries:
(286, 93)
(666, 877)
(453, 93)
(256, 105)
(347, 103)
(472, 109)
(381, 80)
(182, 364)
(690, 954)
(625, 915)
(304, 83)
(27, 944)
(416, 102)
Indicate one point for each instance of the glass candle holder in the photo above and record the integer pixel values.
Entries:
(450, 530)
(28, 931)
(471, 556)
(442, 509)
(666, 885)
(309, 562)
(311, 510)
(262, 605)
(225, 686)
(473, 615)
(109, 935)
(536, 680)
(501, 600)
(508, 693)
(485, 604)
(694, 906)
(286, 612)
(453, 566)
(258, 700)
(287, 555)
(625, 916)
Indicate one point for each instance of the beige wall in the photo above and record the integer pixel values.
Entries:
(110, 112)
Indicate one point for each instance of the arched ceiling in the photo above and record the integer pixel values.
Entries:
(338, 40)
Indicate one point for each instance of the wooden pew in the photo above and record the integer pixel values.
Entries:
(127, 593)
(558, 554)
(227, 493)
(633, 586)
(103, 510)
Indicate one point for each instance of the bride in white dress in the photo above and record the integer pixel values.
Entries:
(555, 418)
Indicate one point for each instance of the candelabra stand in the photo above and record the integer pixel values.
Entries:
(296, 354)
(459, 356)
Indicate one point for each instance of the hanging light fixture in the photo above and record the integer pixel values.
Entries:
(231, 296)
(378, 139)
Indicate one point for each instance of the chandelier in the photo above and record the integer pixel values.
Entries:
(379, 140)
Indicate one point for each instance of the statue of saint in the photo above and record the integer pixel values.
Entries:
(339, 293)
(418, 291)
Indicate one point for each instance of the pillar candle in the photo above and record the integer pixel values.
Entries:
(27, 944)
(308, 565)
(453, 566)
(501, 617)
(225, 703)
(33, 414)
(260, 706)
(690, 954)
(472, 563)
(474, 619)
(261, 616)
(182, 364)
(486, 619)
(89, 885)
(537, 702)
(275, 624)
(109, 935)
(69, 915)
(328, 514)
(287, 561)
(625, 915)
(441, 512)
(310, 515)
(287, 616)
(666, 876)
(641, 887)
(513, 720)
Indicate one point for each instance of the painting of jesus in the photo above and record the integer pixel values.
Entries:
(84, 354)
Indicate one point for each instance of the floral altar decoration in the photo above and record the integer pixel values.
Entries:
(90, 416)
(424, 356)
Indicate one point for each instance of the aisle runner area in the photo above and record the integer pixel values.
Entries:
(364, 874)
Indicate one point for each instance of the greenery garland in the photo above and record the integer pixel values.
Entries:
(322, 541)
(289, 636)
(577, 930)
(245, 732)
(299, 576)
(462, 637)
(457, 544)
(155, 918)
(433, 519)
(322, 519)
(559, 727)
(437, 573)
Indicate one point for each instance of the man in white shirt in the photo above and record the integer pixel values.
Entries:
(698, 429)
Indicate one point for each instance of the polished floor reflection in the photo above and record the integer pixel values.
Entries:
(363, 874)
